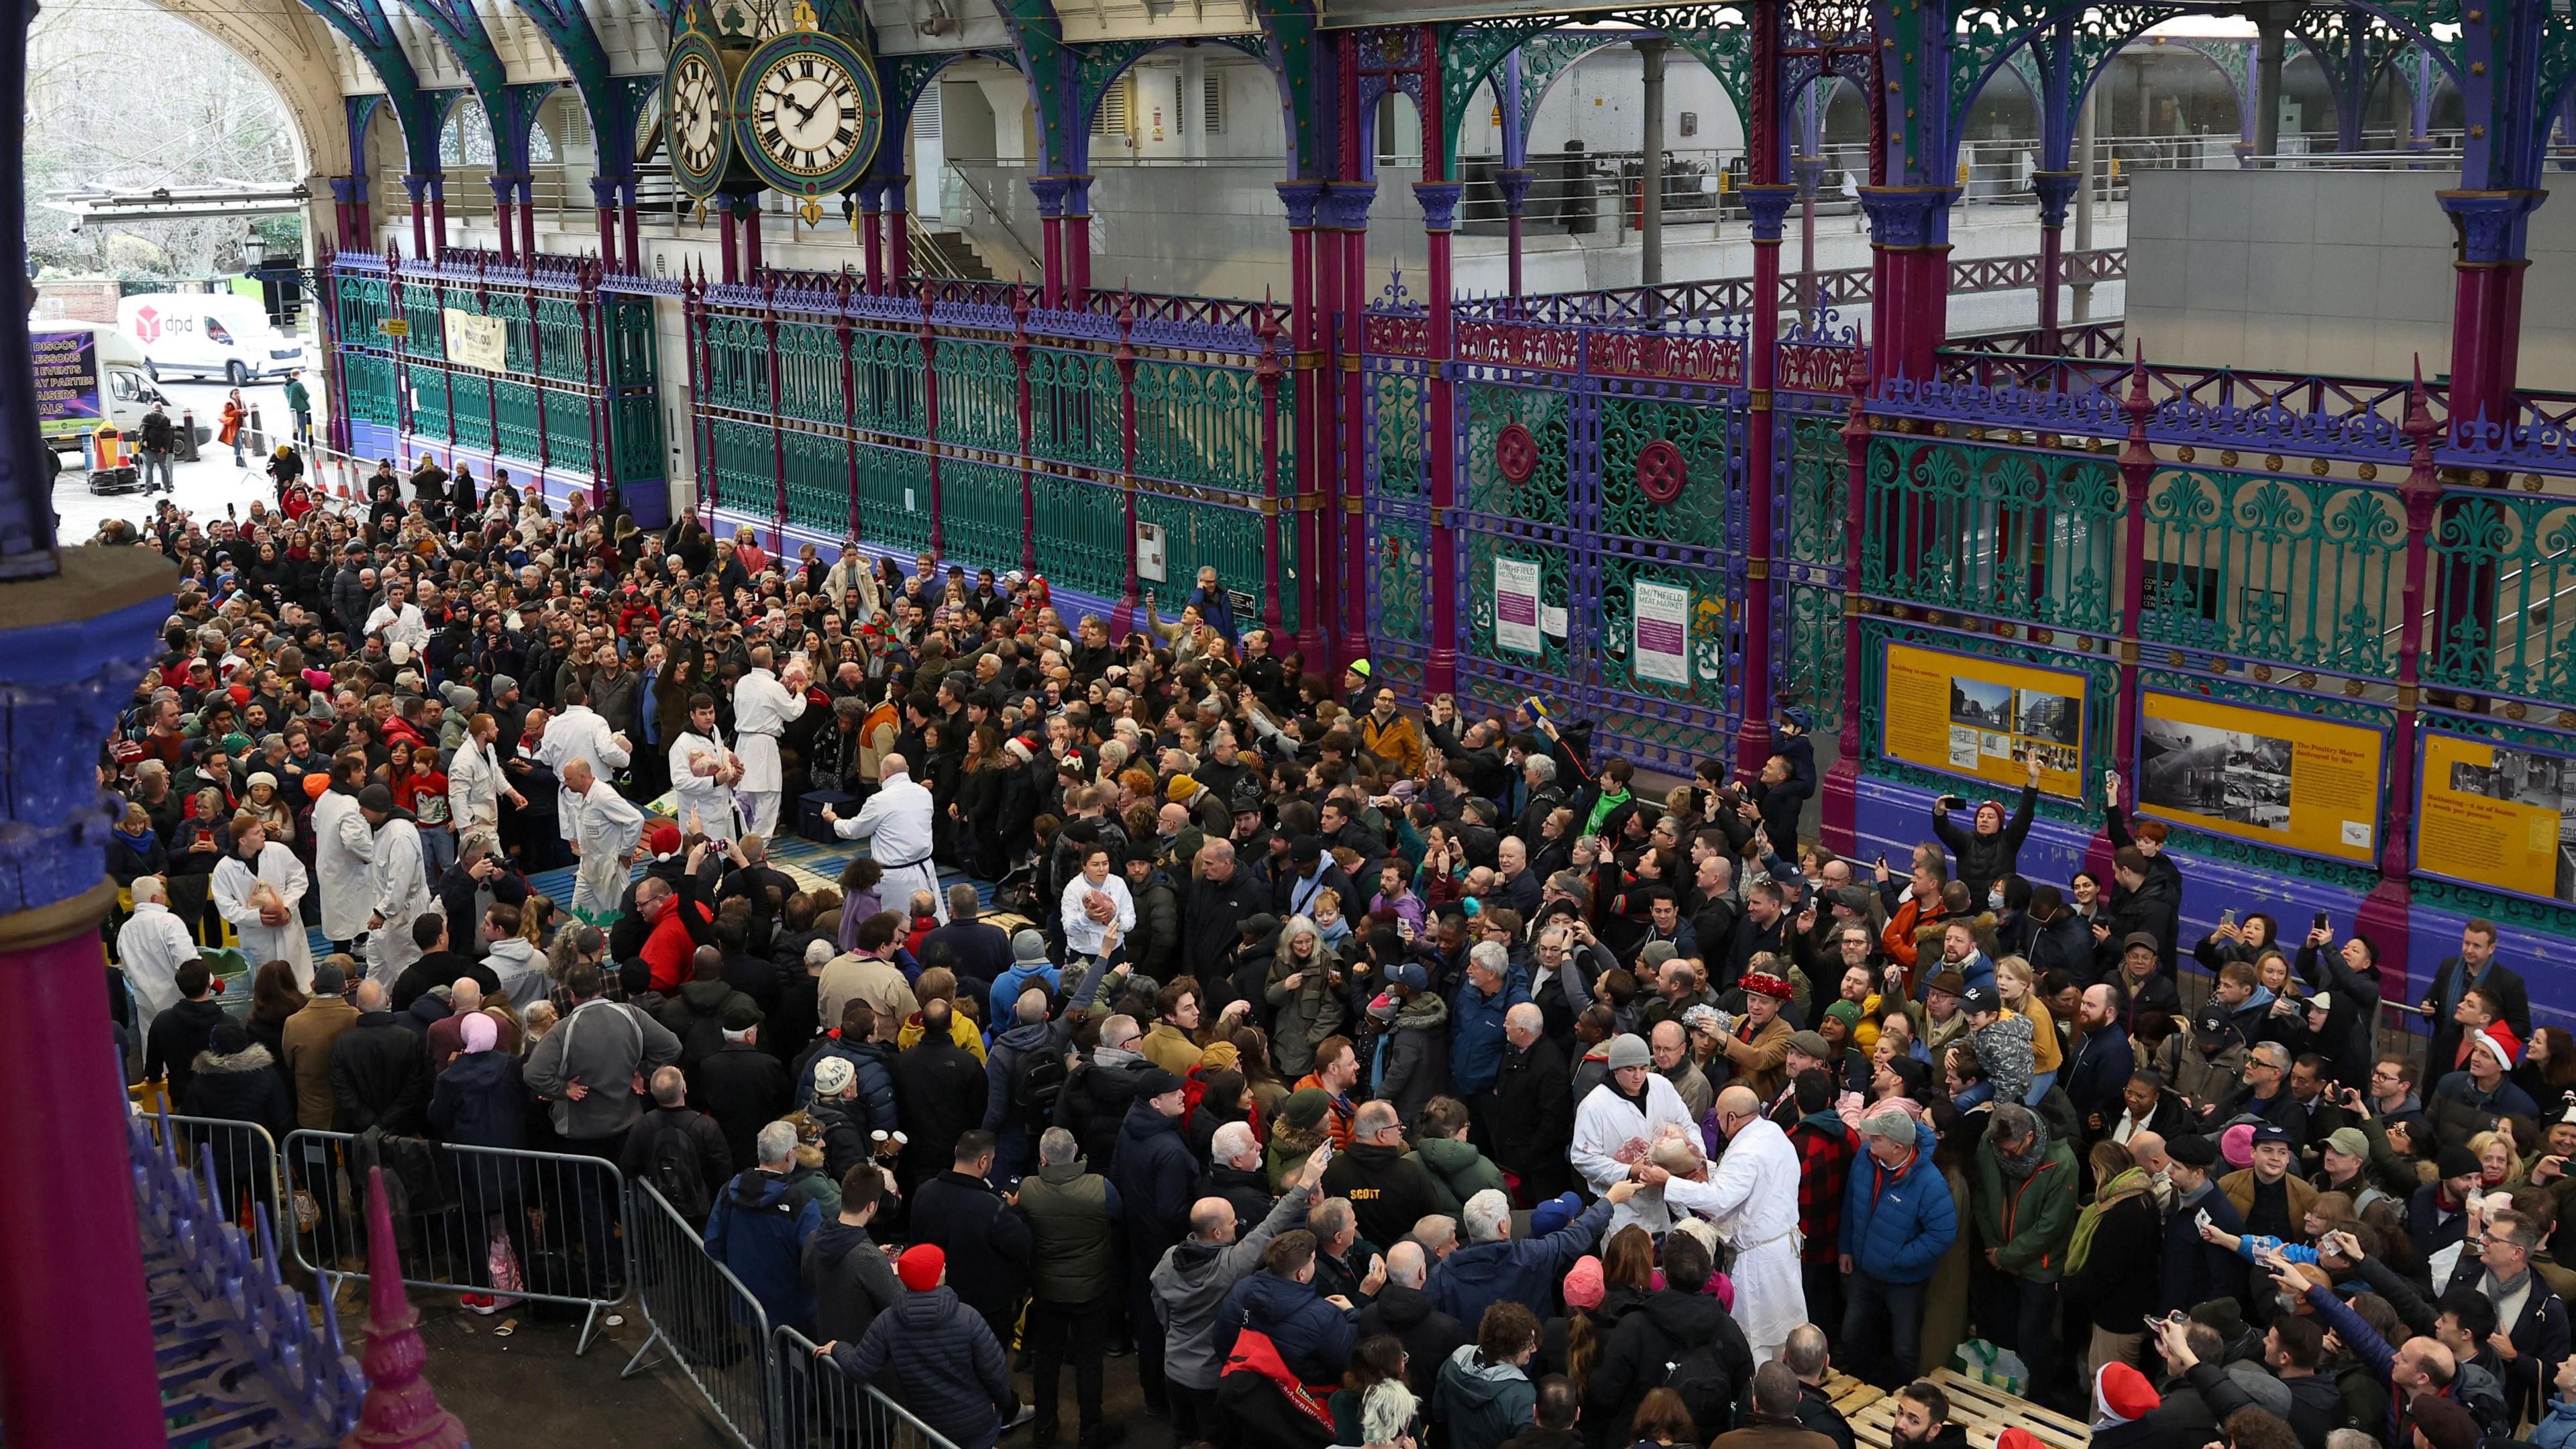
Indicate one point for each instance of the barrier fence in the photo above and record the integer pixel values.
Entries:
(539, 1227)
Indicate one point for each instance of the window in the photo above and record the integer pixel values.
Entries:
(1212, 104)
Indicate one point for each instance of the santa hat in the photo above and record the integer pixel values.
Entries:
(2123, 1393)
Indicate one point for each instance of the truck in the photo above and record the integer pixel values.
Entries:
(86, 373)
(209, 335)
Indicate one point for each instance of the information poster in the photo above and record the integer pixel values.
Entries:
(474, 341)
(2285, 780)
(1979, 717)
(1516, 606)
(1663, 634)
(2498, 817)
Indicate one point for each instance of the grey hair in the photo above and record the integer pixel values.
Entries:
(1488, 1216)
(1058, 1147)
(776, 1143)
(1492, 956)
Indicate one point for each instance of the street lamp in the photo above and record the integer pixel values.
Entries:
(254, 251)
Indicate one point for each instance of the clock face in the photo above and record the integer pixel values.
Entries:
(807, 113)
(696, 108)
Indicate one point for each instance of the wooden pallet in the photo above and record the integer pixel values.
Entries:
(1982, 1409)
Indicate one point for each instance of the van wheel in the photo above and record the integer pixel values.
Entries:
(235, 373)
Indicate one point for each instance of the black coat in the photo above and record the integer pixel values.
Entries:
(380, 1077)
(1533, 1118)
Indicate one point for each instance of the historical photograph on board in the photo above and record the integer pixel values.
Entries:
(2233, 775)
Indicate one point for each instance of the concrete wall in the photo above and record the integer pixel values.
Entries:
(2326, 271)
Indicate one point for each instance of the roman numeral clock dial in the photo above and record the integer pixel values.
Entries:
(810, 113)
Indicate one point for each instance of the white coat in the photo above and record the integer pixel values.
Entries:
(152, 945)
(401, 884)
(281, 872)
(578, 734)
(1752, 1197)
(343, 849)
(762, 709)
(1605, 1127)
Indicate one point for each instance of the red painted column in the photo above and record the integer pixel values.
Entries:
(1307, 293)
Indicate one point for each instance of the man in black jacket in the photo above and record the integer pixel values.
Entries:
(987, 1245)
(379, 1071)
(1389, 1190)
(1533, 1117)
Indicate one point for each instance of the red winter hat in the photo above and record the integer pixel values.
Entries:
(921, 1267)
(2125, 1394)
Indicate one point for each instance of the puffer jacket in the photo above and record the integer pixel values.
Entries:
(1898, 1226)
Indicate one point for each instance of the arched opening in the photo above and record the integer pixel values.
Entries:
(89, 130)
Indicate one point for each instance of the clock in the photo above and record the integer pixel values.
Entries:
(696, 86)
(808, 113)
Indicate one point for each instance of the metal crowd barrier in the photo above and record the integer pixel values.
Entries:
(242, 1156)
(816, 1406)
(547, 1225)
(698, 1310)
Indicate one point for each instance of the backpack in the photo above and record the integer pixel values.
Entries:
(1704, 1387)
(673, 1170)
(1037, 1080)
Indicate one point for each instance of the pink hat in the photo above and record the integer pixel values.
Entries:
(2236, 1144)
(1583, 1283)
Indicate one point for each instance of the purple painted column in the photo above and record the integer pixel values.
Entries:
(1439, 224)
(2385, 911)
(1050, 192)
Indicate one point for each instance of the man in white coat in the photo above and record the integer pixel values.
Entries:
(343, 847)
(704, 773)
(400, 881)
(258, 888)
(578, 734)
(609, 828)
(897, 817)
(475, 785)
(1617, 1125)
(763, 706)
(152, 945)
(1752, 1198)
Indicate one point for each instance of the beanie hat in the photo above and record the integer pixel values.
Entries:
(2124, 1394)
(921, 1266)
(1583, 1287)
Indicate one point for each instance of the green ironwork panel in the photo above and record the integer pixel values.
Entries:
(1230, 540)
(1704, 435)
(1705, 643)
(894, 497)
(1555, 591)
(1819, 491)
(1493, 407)
(636, 428)
(568, 430)
(2503, 567)
(888, 373)
(1198, 425)
(469, 399)
(979, 395)
(428, 401)
(2293, 570)
(428, 336)
(818, 480)
(1082, 533)
(809, 373)
(737, 364)
(2024, 535)
(367, 387)
(979, 511)
(746, 466)
(2101, 674)
(1074, 409)
(1398, 418)
(559, 330)
(1399, 568)
(514, 412)
(628, 322)
(1816, 662)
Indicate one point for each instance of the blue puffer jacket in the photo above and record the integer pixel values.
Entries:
(758, 1230)
(1314, 1338)
(1898, 1233)
(1476, 1031)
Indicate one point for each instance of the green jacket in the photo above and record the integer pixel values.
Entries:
(1458, 1171)
(2028, 1223)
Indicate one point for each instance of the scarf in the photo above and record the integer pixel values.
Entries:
(2128, 1184)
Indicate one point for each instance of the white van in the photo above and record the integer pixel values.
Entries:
(85, 372)
(210, 335)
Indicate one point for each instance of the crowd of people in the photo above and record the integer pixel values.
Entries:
(1367, 1074)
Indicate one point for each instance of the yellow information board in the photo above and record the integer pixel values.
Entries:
(2289, 781)
(1964, 715)
(2497, 817)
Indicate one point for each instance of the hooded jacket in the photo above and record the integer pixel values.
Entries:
(1481, 1404)
(759, 1230)
(1191, 1284)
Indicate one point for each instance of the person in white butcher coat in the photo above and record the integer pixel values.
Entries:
(400, 881)
(258, 888)
(475, 785)
(152, 945)
(1752, 1197)
(704, 773)
(897, 818)
(1617, 1125)
(343, 849)
(610, 828)
(763, 706)
(578, 734)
